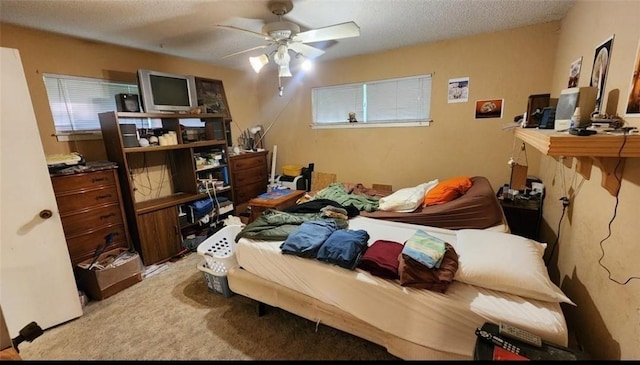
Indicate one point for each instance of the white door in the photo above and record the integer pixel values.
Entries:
(36, 276)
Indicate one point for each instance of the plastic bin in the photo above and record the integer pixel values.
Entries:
(291, 170)
(217, 283)
(219, 250)
(219, 253)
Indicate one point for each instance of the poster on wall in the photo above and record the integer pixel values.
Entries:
(574, 72)
(458, 90)
(489, 108)
(633, 103)
(600, 68)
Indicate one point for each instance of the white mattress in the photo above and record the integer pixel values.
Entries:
(445, 322)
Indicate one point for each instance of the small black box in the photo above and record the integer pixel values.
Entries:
(127, 103)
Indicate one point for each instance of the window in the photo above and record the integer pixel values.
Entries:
(76, 101)
(385, 103)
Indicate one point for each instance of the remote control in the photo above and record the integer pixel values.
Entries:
(488, 337)
(520, 335)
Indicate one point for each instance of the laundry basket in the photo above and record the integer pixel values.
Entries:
(219, 252)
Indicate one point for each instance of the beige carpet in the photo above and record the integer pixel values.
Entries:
(173, 316)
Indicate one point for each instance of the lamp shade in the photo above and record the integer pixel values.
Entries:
(282, 59)
(258, 62)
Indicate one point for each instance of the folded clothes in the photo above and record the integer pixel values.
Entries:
(424, 248)
(381, 259)
(307, 239)
(344, 248)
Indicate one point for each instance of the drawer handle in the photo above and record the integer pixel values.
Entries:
(107, 216)
(98, 179)
(106, 196)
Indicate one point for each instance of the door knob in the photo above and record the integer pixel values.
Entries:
(45, 214)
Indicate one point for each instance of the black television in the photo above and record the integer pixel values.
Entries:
(163, 92)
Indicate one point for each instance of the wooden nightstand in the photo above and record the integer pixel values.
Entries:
(259, 205)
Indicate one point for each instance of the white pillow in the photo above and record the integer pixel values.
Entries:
(406, 199)
(505, 262)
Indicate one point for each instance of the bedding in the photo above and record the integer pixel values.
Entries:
(411, 323)
(477, 208)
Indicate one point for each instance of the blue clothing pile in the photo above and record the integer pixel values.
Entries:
(324, 241)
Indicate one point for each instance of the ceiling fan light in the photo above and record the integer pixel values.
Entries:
(284, 71)
(307, 64)
(257, 63)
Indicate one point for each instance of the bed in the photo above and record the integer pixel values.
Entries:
(412, 323)
(477, 208)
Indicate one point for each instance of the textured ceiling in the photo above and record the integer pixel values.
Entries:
(186, 28)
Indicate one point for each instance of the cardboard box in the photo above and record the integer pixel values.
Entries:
(103, 283)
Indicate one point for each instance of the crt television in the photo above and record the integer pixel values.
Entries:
(163, 92)
(569, 99)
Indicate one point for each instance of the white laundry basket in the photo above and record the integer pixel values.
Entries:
(219, 252)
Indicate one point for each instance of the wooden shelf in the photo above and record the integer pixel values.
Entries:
(557, 144)
(175, 146)
(610, 151)
(123, 115)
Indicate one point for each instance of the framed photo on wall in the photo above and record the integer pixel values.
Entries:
(633, 102)
(599, 71)
(211, 95)
(491, 108)
(574, 72)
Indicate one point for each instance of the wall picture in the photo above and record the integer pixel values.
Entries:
(633, 102)
(600, 68)
(211, 95)
(489, 108)
(574, 72)
(458, 90)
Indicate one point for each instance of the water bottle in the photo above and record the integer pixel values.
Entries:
(575, 118)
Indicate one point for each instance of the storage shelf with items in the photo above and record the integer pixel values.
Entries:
(157, 179)
(606, 149)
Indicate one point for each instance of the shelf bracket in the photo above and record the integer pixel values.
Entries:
(609, 179)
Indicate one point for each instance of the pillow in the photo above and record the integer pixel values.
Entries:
(447, 190)
(505, 262)
(407, 199)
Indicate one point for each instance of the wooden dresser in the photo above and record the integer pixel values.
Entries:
(249, 176)
(90, 206)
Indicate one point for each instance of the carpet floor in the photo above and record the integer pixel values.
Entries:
(173, 316)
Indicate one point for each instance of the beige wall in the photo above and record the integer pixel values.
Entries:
(511, 65)
(43, 52)
(607, 318)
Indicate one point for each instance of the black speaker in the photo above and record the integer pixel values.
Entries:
(127, 102)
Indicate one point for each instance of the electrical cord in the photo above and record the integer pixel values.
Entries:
(565, 204)
(615, 212)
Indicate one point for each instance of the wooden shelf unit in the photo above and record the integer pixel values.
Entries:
(606, 149)
(153, 223)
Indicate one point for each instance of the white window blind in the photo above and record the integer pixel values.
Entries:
(393, 102)
(76, 101)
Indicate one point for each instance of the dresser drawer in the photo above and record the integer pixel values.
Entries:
(88, 199)
(247, 163)
(84, 245)
(248, 192)
(249, 176)
(84, 220)
(64, 184)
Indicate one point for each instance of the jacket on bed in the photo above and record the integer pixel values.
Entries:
(275, 225)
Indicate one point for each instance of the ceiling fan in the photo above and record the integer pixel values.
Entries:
(285, 36)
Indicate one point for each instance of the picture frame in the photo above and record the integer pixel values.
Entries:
(633, 101)
(212, 97)
(574, 72)
(599, 71)
(458, 90)
(489, 108)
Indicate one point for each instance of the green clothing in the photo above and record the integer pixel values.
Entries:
(337, 193)
(275, 225)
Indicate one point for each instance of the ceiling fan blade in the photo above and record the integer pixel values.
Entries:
(245, 51)
(338, 31)
(306, 50)
(255, 34)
